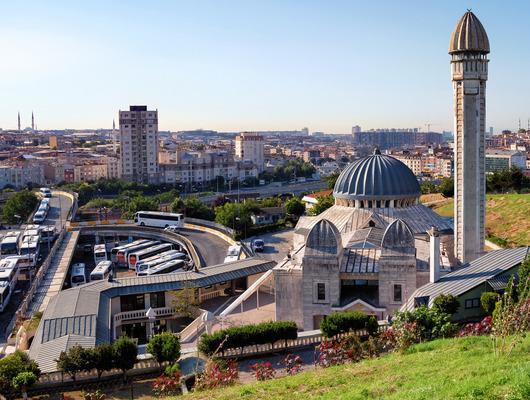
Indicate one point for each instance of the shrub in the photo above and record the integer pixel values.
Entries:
(23, 381)
(73, 361)
(263, 370)
(172, 369)
(217, 374)
(292, 363)
(247, 335)
(164, 347)
(479, 328)
(330, 353)
(488, 301)
(125, 354)
(446, 303)
(96, 395)
(167, 385)
(342, 322)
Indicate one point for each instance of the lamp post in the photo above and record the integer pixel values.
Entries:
(151, 315)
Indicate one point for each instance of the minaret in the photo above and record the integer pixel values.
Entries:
(19, 122)
(32, 122)
(469, 48)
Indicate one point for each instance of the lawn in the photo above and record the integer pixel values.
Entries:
(461, 368)
(507, 218)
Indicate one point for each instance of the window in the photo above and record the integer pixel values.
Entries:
(158, 299)
(321, 291)
(132, 302)
(398, 293)
(472, 303)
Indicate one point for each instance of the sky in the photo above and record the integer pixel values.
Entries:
(253, 65)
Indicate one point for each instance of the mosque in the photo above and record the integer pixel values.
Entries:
(377, 245)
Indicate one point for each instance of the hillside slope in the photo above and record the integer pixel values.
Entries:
(507, 218)
(463, 368)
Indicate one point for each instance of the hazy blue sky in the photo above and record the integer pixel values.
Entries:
(253, 65)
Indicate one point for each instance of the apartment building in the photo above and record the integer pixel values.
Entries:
(20, 174)
(498, 160)
(139, 144)
(249, 147)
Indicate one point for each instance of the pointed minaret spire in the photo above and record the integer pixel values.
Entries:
(32, 121)
(19, 121)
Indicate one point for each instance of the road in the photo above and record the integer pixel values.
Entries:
(212, 249)
(277, 244)
(271, 190)
(59, 208)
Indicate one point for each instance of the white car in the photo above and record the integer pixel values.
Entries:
(172, 228)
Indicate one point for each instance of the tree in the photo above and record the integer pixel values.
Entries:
(177, 206)
(12, 365)
(447, 187)
(103, 358)
(72, 361)
(446, 303)
(428, 187)
(125, 354)
(488, 300)
(186, 301)
(524, 272)
(323, 203)
(164, 347)
(194, 208)
(23, 381)
(331, 180)
(294, 206)
(233, 215)
(20, 206)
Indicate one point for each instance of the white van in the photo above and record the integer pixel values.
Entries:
(46, 192)
(100, 253)
(233, 253)
(101, 271)
(78, 275)
(39, 217)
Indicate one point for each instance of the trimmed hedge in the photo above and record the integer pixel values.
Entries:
(342, 322)
(248, 335)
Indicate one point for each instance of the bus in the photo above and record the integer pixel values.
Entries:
(9, 244)
(101, 271)
(233, 253)
(47, 193)
(30, 250)
(137, 256)
(123, 254)
(160, 259)
(165, 268)
(114, 251)
(158, 219)
(30, 233)
(8, 281)
(100, 253)
(47, 234)
(78, 276)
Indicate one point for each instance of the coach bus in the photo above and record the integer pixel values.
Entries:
(158, 219)
(137, 256)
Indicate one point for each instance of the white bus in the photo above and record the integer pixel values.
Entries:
(47, 234)
(160, 259)
(101, 271)
(100, 253)
(9, 244)
(123, 254)
(158, 219)
(137, 256)
(165, 268)
(30, 250)
(78, 276)
(30, 233)
(8, 281)
(114, 251)
(46, 192)
(233, 253)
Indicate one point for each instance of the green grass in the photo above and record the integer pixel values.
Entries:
(462, 368)
(507, 218)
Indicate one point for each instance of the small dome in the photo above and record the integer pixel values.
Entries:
(323, 239)
(377, 177)
(469, 35)
(398, 234)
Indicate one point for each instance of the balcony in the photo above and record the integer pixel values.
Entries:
(161, 312)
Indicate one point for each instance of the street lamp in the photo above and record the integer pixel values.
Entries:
(151, 315)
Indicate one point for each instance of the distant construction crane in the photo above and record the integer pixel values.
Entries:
(428, 125)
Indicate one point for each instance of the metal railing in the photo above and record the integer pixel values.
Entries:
(210, 224)
(140, 314)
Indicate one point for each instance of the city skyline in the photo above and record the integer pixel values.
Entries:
(250, 66)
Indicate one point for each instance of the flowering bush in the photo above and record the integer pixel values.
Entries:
(407, 334)
(330, 352)
(217, 373)
(292, 363)
(263, 370)
(167, 385)
(480, 328)
(352, 348)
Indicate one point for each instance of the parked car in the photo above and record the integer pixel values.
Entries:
(258, 245)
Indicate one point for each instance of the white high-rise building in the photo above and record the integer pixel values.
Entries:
(250, 147)
(139, 144)
(469, 48)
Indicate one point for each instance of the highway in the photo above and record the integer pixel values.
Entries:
(212, 249)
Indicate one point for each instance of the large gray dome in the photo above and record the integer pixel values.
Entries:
(374, 178)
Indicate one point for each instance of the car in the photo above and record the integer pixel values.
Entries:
(258, 245)
(171, 228)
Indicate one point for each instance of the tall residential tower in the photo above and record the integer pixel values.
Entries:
(469, 48)
(139, 144)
